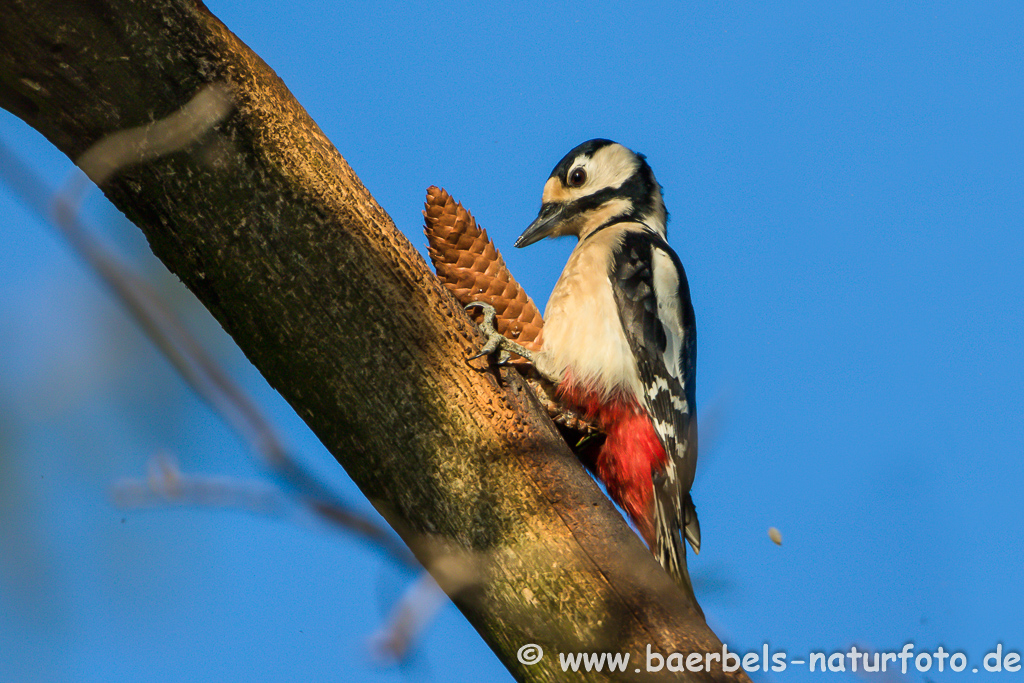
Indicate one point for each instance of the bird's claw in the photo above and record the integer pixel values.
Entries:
(496, 341)
(493, 344)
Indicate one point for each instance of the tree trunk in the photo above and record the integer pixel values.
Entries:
(266, 223)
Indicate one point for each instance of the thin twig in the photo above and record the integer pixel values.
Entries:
(185, 352)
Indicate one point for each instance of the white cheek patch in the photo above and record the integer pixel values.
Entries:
(610, 166)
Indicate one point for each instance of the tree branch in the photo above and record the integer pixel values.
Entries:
(266, 223)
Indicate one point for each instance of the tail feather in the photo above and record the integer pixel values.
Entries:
(672, 525)
(691, 525)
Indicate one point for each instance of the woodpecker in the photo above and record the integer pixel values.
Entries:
(619, 339)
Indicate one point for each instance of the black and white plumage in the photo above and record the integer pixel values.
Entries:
(619, 338)
(657, 317)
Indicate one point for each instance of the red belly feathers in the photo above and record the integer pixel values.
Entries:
(631, 451)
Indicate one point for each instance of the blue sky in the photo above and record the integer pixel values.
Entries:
(846, 192)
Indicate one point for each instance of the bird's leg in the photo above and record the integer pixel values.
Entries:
(496, 341)
(544, 384)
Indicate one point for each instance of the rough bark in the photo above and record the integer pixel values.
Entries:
(266, 223)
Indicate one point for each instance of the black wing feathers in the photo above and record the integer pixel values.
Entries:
(632, 279)
(668, 383)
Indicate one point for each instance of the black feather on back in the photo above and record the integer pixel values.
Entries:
(632, 279)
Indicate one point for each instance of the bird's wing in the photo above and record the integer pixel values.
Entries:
(653, 299)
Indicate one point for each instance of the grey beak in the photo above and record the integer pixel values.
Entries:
(549, 216)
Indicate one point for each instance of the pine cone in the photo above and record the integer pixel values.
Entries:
(469, 265)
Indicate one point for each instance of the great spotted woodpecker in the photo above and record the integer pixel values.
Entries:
(619, 339)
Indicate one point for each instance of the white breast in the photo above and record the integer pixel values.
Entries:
(582, 330)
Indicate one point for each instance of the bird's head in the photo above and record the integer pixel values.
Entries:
(595, 184)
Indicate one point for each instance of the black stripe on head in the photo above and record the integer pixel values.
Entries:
(638, 188)
(641, 189)
(594, 201)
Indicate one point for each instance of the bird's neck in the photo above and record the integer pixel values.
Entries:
(603, 219)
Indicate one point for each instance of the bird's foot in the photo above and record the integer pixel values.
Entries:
(496, 341)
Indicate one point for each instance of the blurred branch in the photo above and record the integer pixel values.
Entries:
(153, 140)
(166, 485)
(408, 619)
(184, 351)
(266, 223)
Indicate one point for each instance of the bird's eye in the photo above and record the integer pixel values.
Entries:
(577, 176)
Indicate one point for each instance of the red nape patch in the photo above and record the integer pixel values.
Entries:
(631, 451)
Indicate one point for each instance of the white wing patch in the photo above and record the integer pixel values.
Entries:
(666, 429)
(666, 291)
(660, 385)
